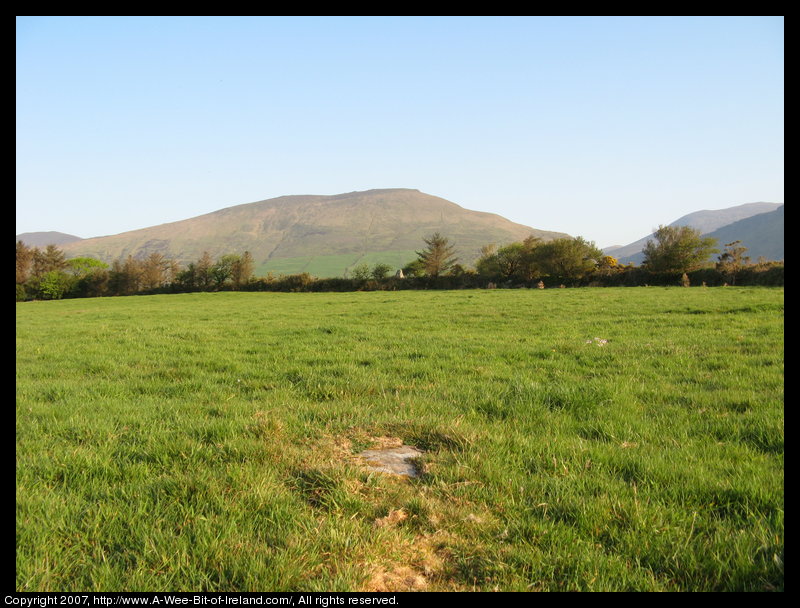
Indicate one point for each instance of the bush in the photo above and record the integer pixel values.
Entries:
(53, 285)
(380, 271)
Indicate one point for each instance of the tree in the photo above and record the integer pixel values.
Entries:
(156, 271)
(380, 271)
(733, 260)
(360, 272)
(52, 258)
(567, 258)
(53, 285)
(516, 261)
(90, 277)
(677, 249)
(487, 265)
(222, 270)
(414, 268)
(202, 271)
(187, 278)
(125, 277)
(502, 263)
(24, 262)
(80, 267)
(529, 265)
(438, 257)
(242, 270)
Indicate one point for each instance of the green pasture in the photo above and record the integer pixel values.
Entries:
(589, 439)
(326, 266)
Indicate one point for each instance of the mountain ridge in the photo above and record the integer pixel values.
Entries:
(322, 234)
(45, 238)
(705, 220)
(327, 235)
(762, 234)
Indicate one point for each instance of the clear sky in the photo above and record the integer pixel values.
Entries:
(601, 127)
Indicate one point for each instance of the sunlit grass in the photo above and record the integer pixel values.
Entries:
(575, 439)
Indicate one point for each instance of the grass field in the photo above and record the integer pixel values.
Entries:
(575, 439)
(326, 266)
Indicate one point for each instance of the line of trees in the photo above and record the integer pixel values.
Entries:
(48, 275)
(676, 255)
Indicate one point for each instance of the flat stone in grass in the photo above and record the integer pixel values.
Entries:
(393, 460)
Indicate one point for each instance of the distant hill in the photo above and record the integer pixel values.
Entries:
(707, 221)
(319, 234)
(43, 239)
(762, 234)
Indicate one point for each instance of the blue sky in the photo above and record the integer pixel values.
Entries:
(601, 127)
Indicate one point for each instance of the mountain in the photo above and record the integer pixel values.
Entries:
(43, 239)
(706, 221)
(322, 235)
(709, 220)
(762, 234)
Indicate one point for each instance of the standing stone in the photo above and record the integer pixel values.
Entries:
(398, 461)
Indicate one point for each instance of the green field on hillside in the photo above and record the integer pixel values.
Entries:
(326, 266)
(574, 439)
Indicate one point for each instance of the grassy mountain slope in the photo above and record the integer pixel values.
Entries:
(324, 235)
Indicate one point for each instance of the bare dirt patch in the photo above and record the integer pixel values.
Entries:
(394, 517)
(418, 565)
